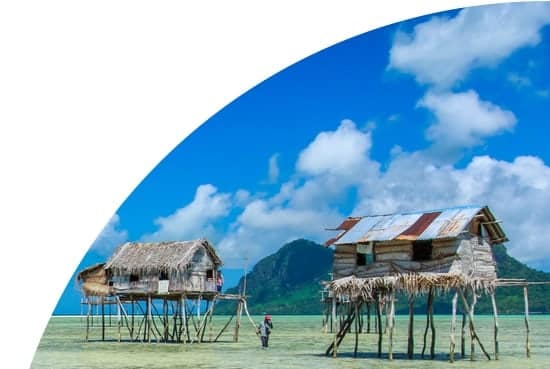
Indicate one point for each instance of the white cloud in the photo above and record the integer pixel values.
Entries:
(463, 120)
(337, 152)
(273, 169)
(195, 219)
(443, 50)
(110, 237)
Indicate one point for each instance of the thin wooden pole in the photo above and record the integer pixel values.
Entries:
(368, 317)
(471, 319)
(410, 340)
(527, 330)
(334, 320)
(238, 321)
(88, 318)
(119, 320)
(495, 318)
(432, 327)
(453, 328)
(102, 318)
(149, 318)
(379, 323)
(463, 336)
(132, 329)
(472, 342)
(165, 316)
(391, 325)
(356, 329)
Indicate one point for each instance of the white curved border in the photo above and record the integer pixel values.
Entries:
(94, 96)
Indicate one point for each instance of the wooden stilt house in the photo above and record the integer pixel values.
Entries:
(165, 291)
(427, 253)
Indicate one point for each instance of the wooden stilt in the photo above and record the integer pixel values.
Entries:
(149, 318)
(471, 320)
(238, 321)
(472, 342)
(432, 326)
(132, 329)
(527, 330)
(463, 336)
(88, 318)
(410, 340)
(453, 329)
(357, 328)
(165, 320)
(102, 318)
(391, 322)
(334, 320)
(495, 318)
(118, 320)
(379, 323)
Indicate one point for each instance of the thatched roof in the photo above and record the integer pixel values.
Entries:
(156, 257)
(95, 272)
(411, 283)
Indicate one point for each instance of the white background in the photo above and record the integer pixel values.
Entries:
(94, 94)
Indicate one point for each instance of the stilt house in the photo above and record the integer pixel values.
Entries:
(454, 241)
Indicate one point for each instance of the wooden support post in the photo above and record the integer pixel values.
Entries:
(132, 329)
(165, 319)
(391, 322)
(103, 318)
(432, 326)
(495, 318)
(410, 340)
(379, 323)
(463, 336)
(453, 329)
(471, 319)
(238, 321)
(88, 318)
(149, 318)
(119, 320)
(334, 320)
(472, 342)
(527, 331)
(185, 324)
(357, 328)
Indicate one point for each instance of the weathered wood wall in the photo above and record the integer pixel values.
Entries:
(469, 254)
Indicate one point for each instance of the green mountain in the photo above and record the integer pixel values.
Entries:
(288, 282)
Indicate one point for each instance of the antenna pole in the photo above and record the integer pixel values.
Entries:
(245, 272)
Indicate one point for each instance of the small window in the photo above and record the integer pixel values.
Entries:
(210, 274)
(422, 250)
(361, 259)
(163, 276)
(134, 278)
(365, 254)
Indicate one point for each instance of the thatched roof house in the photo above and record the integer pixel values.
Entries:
(155, 268)
(454, 241)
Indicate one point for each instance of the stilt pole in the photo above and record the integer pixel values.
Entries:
(379, 323)
(410, 340)
(453, 328)
(103, 318)
(357, 328)
(463, 336)
(527, 330)
(391, 322)
(88, 318)
(471, 319)
(495, 318)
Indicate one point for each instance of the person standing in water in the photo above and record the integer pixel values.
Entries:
(265, 330)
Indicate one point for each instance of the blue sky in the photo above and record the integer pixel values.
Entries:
(439, 111)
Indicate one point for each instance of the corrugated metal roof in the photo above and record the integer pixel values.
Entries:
(422, 225)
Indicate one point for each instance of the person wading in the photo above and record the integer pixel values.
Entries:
(265, 330)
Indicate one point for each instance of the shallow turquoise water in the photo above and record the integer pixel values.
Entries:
(296, 342)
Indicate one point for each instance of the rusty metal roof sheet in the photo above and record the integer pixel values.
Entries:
(423, 225)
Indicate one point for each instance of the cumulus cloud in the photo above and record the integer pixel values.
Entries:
(110, 237)
(195, 219)
(463, 120)
(443, 50)
(336, 152)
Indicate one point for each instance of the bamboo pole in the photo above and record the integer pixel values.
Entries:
(357, 328)
(149, 318)
(432, 327)
(102, 319)
(334, 320)
(410, 340)
(453, 328)
(368, 317)
(463, 336)
(238, 321)
(165, 318)
(495, 318)
(472, 342)
(132, 329)
(119, 320)
(391, 325)
(88, 318)
(527, 330)
(379, 323)
(471, 319)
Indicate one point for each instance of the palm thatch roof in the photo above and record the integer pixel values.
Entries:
(158, 257)
(94, 273)
(411, 283)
